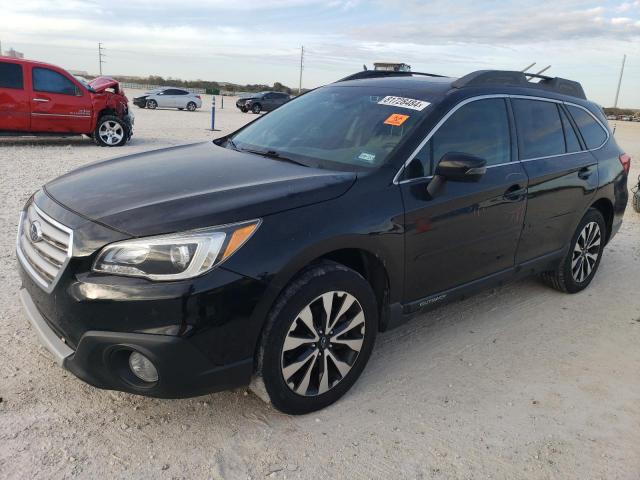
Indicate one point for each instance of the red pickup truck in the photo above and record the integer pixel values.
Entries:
(41, 99)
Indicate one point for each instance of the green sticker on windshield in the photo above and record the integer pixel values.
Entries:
(367, 157)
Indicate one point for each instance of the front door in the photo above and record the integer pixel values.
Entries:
(468, 230)
(58, 105)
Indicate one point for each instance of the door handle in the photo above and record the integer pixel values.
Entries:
(40, 100)
(514, 192)
(584, 173)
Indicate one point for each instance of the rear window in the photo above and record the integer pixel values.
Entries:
(539, 128)
(592, 132)
(10, 75)
(45, 80)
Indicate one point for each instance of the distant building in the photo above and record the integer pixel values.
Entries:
(12, 53)
(392, 67)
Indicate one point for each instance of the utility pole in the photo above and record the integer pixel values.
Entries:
(100, 55)
(301, 68)
(624, 59)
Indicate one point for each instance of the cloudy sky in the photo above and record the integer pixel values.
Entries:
(250, 41)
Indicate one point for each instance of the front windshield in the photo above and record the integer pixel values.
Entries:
(355, 127)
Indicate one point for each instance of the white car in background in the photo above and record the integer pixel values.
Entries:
(169, 98)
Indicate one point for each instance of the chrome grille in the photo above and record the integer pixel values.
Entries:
(44, 246)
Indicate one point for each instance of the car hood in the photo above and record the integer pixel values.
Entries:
(191, 186)
(100, 84)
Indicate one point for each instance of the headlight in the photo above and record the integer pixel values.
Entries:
(176, 256)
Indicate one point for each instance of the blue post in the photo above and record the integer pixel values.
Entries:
(213, 113)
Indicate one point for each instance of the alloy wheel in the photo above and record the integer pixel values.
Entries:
(111, 132)
(323, 343)
(586, 252)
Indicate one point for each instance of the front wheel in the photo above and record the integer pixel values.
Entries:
(579, 265)
(111, 131)
(152, 104)
(318, 338)
(256, 108)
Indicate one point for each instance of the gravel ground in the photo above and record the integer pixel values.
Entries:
(517, 382)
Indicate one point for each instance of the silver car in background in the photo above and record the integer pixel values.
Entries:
(169, 98)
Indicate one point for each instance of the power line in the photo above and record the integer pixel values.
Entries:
(100, 55)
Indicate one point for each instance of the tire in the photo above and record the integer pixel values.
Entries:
(111, 131)
(568, 276)
(244, 109)
(180, 108)
(256, 108)
(152, 104)
(191, 106)
(302, 363)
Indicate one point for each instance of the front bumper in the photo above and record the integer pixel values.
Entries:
(101, 359)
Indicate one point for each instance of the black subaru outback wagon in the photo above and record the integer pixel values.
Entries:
(277, 253)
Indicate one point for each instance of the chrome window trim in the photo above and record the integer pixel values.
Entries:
(24, 262)
(484, 97)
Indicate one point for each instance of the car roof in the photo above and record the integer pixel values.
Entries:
(474, 84)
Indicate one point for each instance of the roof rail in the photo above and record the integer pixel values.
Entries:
(384, 73)
(483, 78)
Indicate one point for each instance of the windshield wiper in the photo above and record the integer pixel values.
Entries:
(271, 154)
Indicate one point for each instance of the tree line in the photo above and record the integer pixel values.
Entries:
(206, 84)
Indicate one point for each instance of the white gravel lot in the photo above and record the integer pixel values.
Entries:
(517, 382)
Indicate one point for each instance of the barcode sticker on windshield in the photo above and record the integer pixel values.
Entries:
(402, 102)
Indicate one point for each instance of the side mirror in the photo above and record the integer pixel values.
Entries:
(461, 167)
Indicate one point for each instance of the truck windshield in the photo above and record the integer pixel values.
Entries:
(349, 127)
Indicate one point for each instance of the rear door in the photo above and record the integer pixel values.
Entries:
(58, 103)
(469, 230)
(563, 175)
(14, 98)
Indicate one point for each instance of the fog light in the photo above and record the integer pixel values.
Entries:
(142, 367)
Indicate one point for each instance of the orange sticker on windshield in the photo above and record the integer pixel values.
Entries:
(396, 119)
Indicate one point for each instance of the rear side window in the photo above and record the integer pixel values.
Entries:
(11, 75)
(573, 144)
(592, 132)
(539, 128)
(480, 128)
(45, 80)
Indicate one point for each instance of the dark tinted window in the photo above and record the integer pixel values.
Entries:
(573, 144)
(45, 80)
(479, 128)
(592, 132)
(10, 75)
(539, 128)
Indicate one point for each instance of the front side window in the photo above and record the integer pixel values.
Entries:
(342, 127)
(45, 80)
(11, 75)
(539, 128)
(479, 128)
(592, 132)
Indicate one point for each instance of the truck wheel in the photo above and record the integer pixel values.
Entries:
(191, 106)
(318, 338)
(256, 108)
(111, 131)
(579, 265)
(152, 104)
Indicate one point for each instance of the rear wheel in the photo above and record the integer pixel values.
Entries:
(318, 338)
(579, 265)
(152, 104)
(191, 106)
(111, 131)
